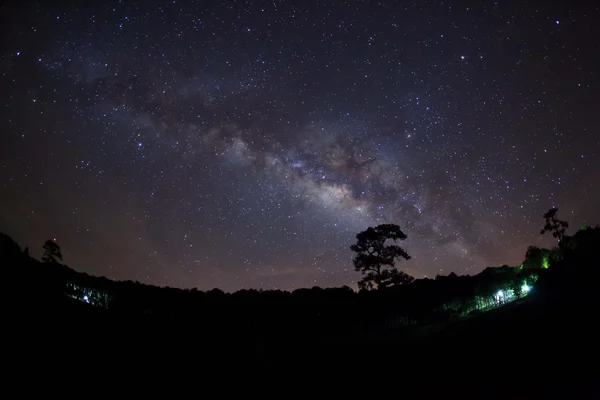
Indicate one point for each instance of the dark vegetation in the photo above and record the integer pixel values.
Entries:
(535, 319)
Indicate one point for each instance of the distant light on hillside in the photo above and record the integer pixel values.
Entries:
(546, 262)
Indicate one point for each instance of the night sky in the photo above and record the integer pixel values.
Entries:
(244, 144)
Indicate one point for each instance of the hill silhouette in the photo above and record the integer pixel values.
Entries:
(502, 327)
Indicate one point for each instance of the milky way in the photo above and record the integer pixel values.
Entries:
(236, 145)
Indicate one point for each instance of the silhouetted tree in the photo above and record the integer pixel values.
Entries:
(373, 256)
(536, 257)
(51, 252)
(517, 287)
(393, 277)
(554, 225)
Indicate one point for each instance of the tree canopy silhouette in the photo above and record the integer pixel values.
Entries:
(51, 252)
(554, 225)
(536, 257)
(376, 261)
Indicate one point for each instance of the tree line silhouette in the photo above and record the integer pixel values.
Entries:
(387, 298)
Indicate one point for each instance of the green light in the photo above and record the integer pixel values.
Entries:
(525, 288)
(546, 262)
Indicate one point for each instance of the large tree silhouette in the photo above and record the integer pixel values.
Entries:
(375, 259)
(555, 226)
(51, 252)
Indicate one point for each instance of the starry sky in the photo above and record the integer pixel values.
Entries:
(243, 144)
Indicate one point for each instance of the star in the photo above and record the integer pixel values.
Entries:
(200, 145)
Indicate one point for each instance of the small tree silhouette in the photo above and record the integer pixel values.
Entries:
(555, 225)
(51, 252)
(373, 256)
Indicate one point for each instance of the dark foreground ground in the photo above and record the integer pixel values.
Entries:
(540, 347)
